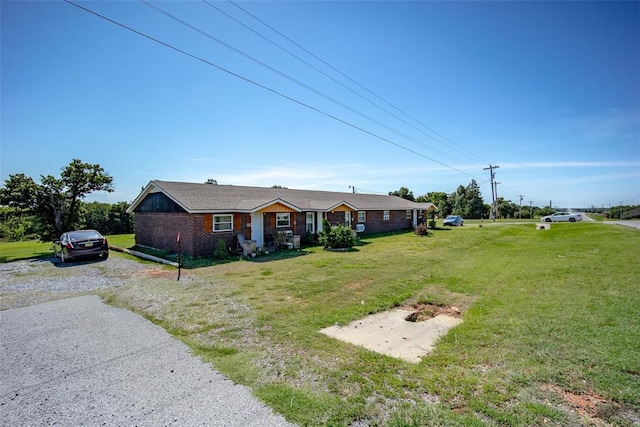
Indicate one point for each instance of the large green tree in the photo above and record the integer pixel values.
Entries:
(403, 192)
(475, 207)
(55, 202)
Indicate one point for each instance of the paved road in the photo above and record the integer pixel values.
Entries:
(632, 224)
(80, 362)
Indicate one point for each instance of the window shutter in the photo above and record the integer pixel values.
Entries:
(208, 223)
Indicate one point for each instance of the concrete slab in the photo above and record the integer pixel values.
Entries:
(389, 333)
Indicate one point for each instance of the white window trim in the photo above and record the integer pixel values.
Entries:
(362, 216)
(386, 216)
(408, 213)
(218, 223)
(280, 216)
(310, 221)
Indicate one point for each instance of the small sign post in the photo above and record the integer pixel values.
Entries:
(179, 263)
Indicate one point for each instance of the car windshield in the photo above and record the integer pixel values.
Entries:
(452, 217)
(84, 235)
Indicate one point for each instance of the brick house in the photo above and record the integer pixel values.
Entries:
(206, 213)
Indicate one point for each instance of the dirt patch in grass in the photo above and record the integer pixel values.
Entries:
(425, 311)
(588, 403)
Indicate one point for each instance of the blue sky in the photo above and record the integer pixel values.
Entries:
(416, 94)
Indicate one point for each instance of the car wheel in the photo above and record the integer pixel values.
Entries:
(572, 220)
(105, 256)
(548, 220)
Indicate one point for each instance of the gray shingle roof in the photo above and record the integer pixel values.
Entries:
(200, 198)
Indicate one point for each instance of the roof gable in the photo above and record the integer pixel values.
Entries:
(208, 198)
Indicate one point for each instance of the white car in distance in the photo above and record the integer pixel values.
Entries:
(562, 217)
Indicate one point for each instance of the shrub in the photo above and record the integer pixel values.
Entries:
(338, 237)
(221, 252)
(421, 230)
(309, 239)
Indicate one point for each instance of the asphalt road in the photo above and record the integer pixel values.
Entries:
(80, 362)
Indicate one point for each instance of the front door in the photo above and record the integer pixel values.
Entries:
(257, 229)
(347, 218)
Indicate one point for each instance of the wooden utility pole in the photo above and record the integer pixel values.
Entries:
(521, 197)
(493, 191)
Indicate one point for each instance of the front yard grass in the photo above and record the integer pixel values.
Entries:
(550, 322)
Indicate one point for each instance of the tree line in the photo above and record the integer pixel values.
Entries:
(468, 203)
(47, 209)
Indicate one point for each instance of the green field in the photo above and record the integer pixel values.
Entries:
(14, 251)
(551, 332)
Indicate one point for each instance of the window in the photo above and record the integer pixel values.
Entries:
(362, 216)
(222, 223)
(408, 213)
(347, 218)
(283, 219)
(310, 224)
(385, 215)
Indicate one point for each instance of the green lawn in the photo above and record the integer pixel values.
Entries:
(547, 314)
(14, 251)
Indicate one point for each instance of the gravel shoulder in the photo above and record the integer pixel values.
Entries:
(78, 361)
(28, 282)
(67, 358)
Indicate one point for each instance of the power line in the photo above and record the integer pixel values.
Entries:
(359, 85)
(296, 81)
(452, 145)
(176, 49)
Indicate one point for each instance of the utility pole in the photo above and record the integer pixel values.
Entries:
(493, 191)
(496, 184)
(620, 211)
(530, 209)
(521, 197)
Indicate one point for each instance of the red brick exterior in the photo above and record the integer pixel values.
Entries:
(159, 230)
(375, 222)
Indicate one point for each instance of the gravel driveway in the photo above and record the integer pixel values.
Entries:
(77, 361)
(29, 282)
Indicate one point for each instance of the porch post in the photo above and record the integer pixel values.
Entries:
(319, 217)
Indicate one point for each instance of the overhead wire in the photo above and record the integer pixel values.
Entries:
(452, 145)
(294, 80)
(234, 74)
(463, 150)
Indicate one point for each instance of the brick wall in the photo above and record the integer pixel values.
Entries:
(159, 230)
(376, 223)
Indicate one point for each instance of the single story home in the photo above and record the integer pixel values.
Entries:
(204, 213)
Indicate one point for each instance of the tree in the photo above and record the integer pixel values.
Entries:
(440, 199)
(19, 192)
(56, 202)
(17, 199)
(403, 192)
(474, 204)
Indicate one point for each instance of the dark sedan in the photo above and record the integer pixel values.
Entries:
(82, 244)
